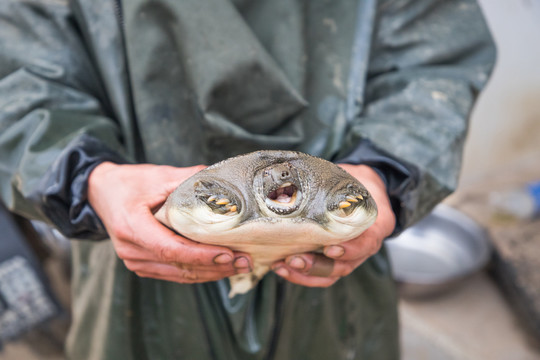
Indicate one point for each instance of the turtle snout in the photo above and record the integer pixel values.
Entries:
(279, 173)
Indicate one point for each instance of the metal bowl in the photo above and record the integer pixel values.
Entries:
(438, 253)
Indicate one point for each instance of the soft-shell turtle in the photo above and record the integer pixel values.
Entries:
(270, 204)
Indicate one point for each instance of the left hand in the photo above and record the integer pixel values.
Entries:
(318, 270)
(124, 197)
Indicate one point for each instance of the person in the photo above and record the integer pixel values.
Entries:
(107, 105)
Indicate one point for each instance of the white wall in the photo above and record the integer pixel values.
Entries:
(506, 121)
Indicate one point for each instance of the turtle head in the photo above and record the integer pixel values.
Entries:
(281, 190)
(316, 190)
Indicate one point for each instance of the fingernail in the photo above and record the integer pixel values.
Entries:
(241, 262)
(223, 259)
(334, 251)
(297, 263)
(282, 272)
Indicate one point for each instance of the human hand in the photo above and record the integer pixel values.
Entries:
(124, 196)
(318, 270)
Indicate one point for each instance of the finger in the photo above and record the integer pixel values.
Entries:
(131, 252)
(173, 177)
(365, 245)
(175, 273)
(312, 264)
(172, 174)
(321, 266)
(302, 279)
(242, 261)
(168, 247)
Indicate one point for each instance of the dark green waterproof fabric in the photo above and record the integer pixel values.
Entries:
(195, 81)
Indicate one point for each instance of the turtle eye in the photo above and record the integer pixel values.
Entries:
(219, 199)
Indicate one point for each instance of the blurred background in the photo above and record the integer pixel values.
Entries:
(506, 121)
(491, 311)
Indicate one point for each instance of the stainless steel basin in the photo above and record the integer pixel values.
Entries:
(438, 253)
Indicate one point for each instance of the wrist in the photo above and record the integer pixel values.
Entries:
(100, 172)
(97, 177)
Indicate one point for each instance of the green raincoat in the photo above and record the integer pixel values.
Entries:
(386, 83)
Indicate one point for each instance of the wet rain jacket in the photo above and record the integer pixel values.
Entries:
(385, 83)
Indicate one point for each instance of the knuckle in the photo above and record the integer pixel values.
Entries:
(189, 276)
(194, 256)
(372, 248)
(166, 254)
(376, 247)
(123, 252)
(121, 232)
(187, 255)
(347, 269)
(131, 265)
(184, 267)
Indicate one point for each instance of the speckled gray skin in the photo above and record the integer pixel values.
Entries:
(270, 204)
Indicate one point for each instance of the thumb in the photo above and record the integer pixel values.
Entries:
(177, 175)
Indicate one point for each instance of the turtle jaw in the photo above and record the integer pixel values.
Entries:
(284, 199)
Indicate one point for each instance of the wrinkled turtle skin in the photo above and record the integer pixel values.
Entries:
(269, 204)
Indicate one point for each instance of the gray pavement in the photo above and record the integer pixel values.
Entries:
(473, 322)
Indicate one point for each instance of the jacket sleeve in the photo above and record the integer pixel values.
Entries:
(429, 61)
(53, 126)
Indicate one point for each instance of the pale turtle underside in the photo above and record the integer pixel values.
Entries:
(270, 204)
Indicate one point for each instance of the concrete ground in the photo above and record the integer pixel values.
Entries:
(472, 322)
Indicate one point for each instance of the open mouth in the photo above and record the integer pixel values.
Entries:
(284, 199)
(285, 194)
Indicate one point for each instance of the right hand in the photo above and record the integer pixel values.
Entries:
(124, 197)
